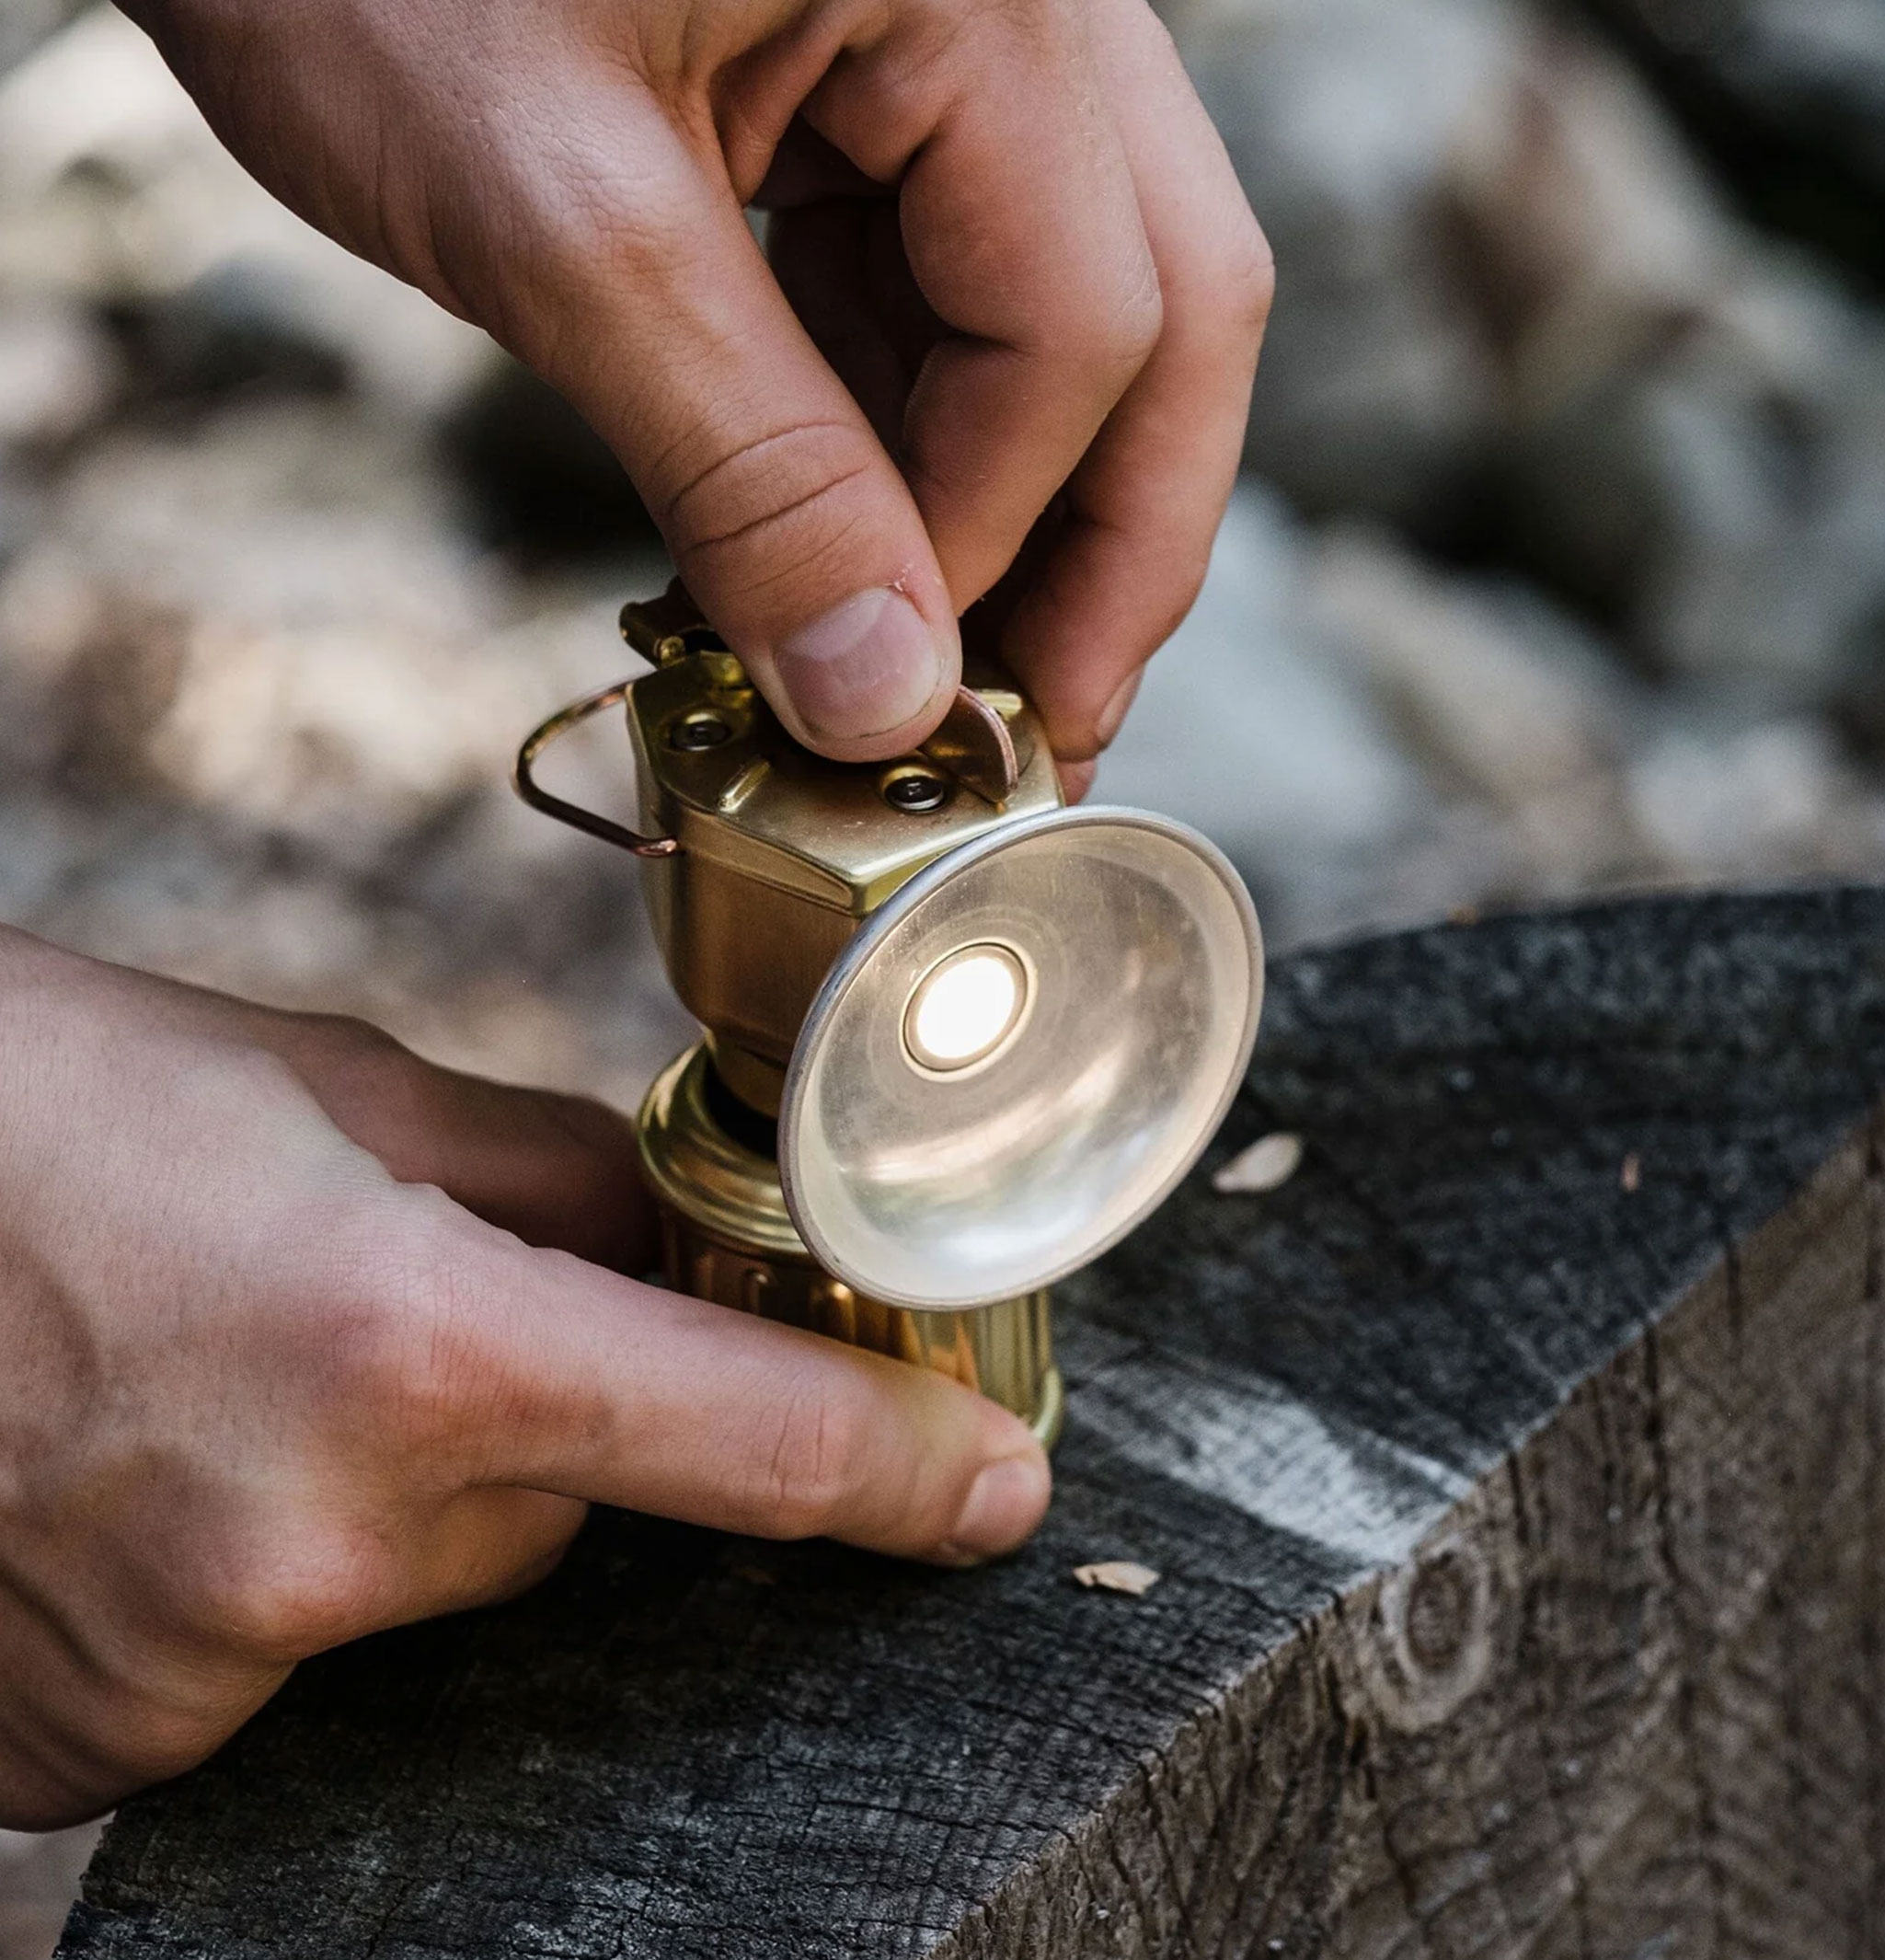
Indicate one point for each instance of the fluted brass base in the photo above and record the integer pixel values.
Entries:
(728, 1237)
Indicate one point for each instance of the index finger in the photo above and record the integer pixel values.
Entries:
(569, 1379)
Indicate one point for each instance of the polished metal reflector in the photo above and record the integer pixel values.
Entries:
(1018, 1055)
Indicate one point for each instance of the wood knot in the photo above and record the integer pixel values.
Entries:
(1438, 1610)
(1428, 1643)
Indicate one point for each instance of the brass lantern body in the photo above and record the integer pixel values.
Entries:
(761, 862)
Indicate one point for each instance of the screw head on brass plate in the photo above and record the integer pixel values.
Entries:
(694, 732)
(1017, 1057)
(915, 790)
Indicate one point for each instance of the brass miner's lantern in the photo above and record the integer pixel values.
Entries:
(960, 1038)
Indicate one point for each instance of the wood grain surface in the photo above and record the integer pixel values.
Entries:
(1512, 1473)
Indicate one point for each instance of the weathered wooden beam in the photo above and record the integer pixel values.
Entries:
(1512, 1473)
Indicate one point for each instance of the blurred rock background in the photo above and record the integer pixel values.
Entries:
(1559, 567)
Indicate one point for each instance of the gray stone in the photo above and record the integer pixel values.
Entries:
(1789, 99)
(59, 373)
(1378, 389)
(38, 1876)
(114, 191)
(26, 23)
(1517, 319)
(1249, 727)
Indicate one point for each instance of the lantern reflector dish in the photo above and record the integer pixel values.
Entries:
(1018, 1055)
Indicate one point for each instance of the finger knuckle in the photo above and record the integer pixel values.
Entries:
(1246, 280)
(396, 1331)
(1139, 321)
(276, 1597)
(1116, 337)
(351, 1034)
(816, 1450)
(344, 1041)
(360, 1068)
(777, 506)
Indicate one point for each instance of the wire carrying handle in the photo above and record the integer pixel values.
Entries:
(523, 779)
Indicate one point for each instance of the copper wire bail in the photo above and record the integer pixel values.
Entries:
(524, 777)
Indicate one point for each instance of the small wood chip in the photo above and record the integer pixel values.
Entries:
(1631, 1175)
(1269, 1161)
(1118, 1575)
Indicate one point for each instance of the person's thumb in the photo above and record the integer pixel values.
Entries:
(786, 518)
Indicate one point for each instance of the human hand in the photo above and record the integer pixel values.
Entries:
(1015, 299)
(305, 1337)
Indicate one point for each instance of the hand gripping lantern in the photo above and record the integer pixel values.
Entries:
(958, 1038)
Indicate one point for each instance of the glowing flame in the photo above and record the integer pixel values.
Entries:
(963, 1008)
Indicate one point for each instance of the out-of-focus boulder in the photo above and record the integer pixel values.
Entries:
(238, 332)
(1729, 519)
(1708, 792)
(1519, 721)
(539, 483)
(258, 699)
(39, 1873)
(1506, 703)
(114, 193)
(279, 594)
(1379, 389)
(143, 253)
(1376, 740)
(1786, 97)
(58, 373)
(1247, 727)
(1694, 444)
(24, 24)
(1668, 421)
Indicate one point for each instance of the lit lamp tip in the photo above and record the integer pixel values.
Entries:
(965, 1008)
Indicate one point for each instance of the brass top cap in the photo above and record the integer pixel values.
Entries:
(762, 857)
(720, 774)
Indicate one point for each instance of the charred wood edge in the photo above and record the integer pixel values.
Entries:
(1626, 1697)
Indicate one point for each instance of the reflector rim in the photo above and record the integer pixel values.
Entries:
(857, 955)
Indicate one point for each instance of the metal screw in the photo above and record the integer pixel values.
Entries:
(916, 790)
(699, 731)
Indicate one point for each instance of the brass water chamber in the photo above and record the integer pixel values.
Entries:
(727, 1236)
